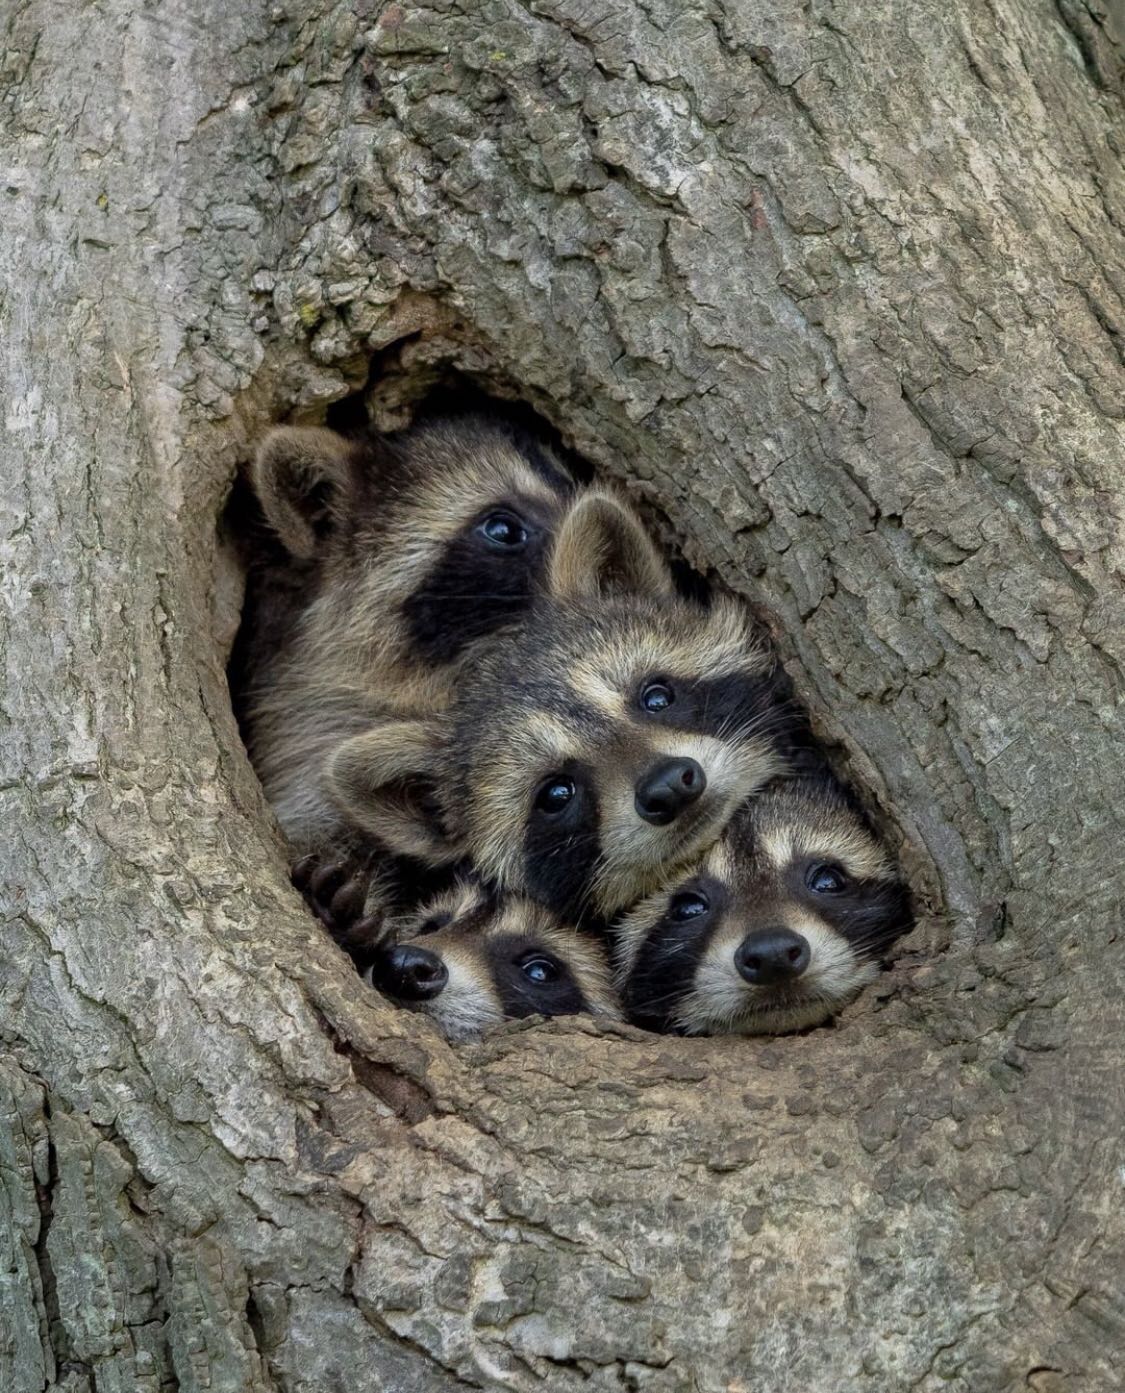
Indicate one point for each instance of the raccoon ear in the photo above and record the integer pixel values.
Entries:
(301, 476)
(384, 780)
(601, 548)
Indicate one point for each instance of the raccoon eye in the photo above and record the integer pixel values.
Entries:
(554, 795)
(826, 879)
(689, 904)
(503, 531)
(539, 970)
(657, 697)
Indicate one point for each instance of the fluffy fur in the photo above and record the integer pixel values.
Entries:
(565, 698)
(401, 554)
(680, 973)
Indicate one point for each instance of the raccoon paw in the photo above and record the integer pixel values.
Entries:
(321, 881)
(334, 888)
(346, 895)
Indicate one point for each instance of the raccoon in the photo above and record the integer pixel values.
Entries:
(775, 928)
(393, 556)
(469, 960)
(599, 744)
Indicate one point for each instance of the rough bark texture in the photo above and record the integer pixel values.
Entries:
(841, 288)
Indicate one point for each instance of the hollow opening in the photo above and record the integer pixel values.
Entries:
(279, 586)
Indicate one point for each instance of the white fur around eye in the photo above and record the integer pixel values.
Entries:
(853, 849)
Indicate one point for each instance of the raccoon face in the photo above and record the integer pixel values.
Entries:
(405, 552)
(778, 926)
(426, 540)
(475, 536)
(468, 962)
(621, 740)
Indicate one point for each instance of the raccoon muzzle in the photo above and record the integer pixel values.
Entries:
(772, 957)
(410, 974)
(667, 789)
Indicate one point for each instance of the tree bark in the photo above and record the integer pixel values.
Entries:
(840, 291)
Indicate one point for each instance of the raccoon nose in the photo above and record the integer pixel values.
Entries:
(667, 789)
(411, 974)
(772, 956)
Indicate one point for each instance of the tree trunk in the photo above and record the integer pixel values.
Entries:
(840, 289)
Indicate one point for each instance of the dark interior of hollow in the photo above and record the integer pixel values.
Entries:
(266, 564)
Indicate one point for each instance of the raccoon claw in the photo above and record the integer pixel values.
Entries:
(346, 893)
(300, 873)
(362, 939)
(335, 890)
(371, 933)
(324, 883)
(347, 904)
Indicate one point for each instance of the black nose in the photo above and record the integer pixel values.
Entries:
(667, 789)
(411, 974)
(772, 956)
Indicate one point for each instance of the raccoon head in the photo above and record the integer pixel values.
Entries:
(426, 540)
(778, 925)
(603, 741)
(469, 961)
(611, 737)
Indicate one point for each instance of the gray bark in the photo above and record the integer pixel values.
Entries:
(840, 290)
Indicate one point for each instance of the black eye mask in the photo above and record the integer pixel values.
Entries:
(561, 845)
(531, 980)
(665, 965)
(736, 703)
(482, 578)
(870, 914)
